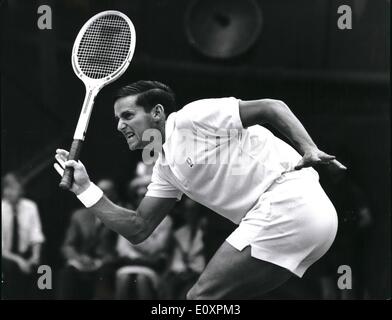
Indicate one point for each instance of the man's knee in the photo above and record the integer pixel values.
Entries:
(191, 295)
(201, 291)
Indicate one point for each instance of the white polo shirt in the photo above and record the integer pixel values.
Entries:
(210, 157)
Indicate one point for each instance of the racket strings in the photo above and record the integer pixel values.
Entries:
(103, 57)
(104, 47)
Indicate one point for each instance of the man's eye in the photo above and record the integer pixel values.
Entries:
(127, 115)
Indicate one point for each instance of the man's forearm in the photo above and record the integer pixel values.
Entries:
(36, 255)
(123, 221)
(281, 117)
(10, 256)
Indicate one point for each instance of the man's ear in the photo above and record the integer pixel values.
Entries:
(158, 112)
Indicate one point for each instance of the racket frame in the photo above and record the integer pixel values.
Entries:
(93, 86)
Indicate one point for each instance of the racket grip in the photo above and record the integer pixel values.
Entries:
(67, 179)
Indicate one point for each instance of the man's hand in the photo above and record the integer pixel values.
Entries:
(24, 265)
(81, 179)
(86, 261)
(316, 157)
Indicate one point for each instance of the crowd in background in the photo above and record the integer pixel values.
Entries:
(99, 264)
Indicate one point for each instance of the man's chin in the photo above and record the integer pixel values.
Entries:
(133, 146)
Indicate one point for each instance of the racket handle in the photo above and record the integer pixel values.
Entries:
(67, 179)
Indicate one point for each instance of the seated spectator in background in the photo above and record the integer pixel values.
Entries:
(137, 187)
(188, 259)
(90, 253)
(22, 238)
(152, 254)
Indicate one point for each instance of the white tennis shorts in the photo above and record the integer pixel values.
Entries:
(292, 225)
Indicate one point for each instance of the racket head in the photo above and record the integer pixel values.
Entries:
(103, 48)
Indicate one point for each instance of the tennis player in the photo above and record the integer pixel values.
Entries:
(235, 167)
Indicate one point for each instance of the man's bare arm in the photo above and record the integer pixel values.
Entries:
(36, 254)
(279, 115)
(135, 226)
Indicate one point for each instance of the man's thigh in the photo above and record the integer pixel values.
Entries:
(233, 274)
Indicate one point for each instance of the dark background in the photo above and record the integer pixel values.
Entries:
(336, 81)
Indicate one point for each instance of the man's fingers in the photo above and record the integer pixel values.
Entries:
(326, 156)
(320, 159)
(62, 155)
(339, 165)
(59, 170)
(62, 152)
(73, 164)
(60, 160)
(300, 165)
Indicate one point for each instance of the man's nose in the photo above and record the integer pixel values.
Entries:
(120, 125)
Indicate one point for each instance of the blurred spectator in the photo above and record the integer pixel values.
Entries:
(137, 187)
(144, 263)
(349, 248)
(188, 260)
(89, 250)
(144, 170)
(151, 257)
(21, 240)
(216, 231)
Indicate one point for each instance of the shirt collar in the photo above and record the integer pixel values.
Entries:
(169, 125)
(169, 128)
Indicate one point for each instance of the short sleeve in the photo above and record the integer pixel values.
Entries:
(161, 187)
(219, 113)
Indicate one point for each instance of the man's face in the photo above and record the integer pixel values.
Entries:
(133, 120)
(12, 192)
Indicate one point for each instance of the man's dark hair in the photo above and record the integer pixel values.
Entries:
(149, 94)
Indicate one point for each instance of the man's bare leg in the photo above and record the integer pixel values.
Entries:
(233, 274)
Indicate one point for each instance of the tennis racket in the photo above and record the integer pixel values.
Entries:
(101, 53)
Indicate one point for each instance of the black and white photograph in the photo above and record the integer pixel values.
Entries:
(173, 150)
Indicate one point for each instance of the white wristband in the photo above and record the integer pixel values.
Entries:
(90, 196)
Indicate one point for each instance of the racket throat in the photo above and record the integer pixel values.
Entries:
(85, 114)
